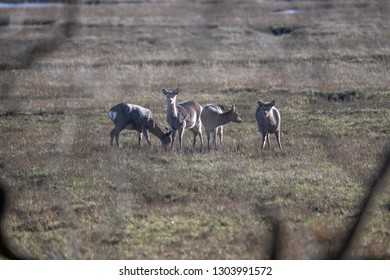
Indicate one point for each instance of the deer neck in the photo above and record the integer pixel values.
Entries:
(156, 130)
(172, 109)
(223, 119)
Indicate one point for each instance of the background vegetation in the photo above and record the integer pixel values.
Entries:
(74, 197)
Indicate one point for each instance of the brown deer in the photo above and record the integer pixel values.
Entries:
(183, 116)
(268, 121)
(140, 119)
(213, 120)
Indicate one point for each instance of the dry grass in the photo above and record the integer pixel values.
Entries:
(74, 197)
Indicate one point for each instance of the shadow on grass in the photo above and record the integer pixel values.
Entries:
(5, 251)
(352, 236)
(37, 50)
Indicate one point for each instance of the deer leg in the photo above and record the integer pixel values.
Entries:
(173, 137)
(215, 137)
(195, 132)
(201, 138)
(268, 140)
(264, 140)
(194, 142)
(181, 133)
(114, 134)
(145, 132)
(139, 137)
(208, 139)
(220, 132)
(278, 139)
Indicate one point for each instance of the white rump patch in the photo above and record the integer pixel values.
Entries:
(112, 115)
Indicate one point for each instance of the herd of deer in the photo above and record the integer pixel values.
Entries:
(189, 115)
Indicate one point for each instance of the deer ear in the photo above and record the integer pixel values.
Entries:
(176, 91)
(165, 91)
(233, 108)
(273, 102)
(260, 102)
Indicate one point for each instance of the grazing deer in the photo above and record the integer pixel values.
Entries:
(183, 115)
(134, 117)
(213, 120)
(268, 120)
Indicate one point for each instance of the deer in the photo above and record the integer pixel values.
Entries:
(213, 119)
(268, 120)
(185, 115)
(138, 118)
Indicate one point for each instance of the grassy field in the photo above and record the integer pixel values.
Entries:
(75, 197)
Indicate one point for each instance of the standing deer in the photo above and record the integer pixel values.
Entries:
(268, 120)
(213, 120)
(134, 117)
(183, 115)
